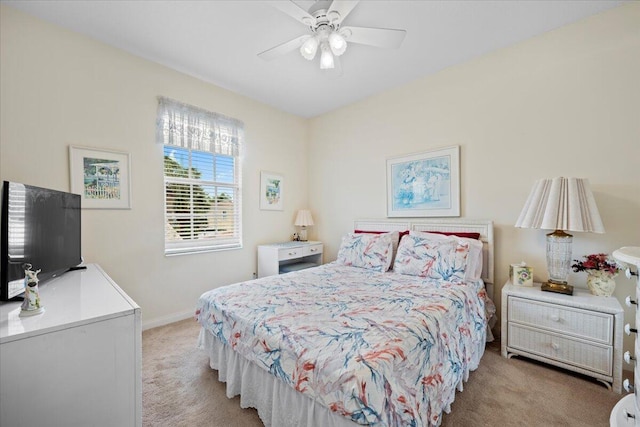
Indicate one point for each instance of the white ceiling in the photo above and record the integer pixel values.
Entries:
(217, 41)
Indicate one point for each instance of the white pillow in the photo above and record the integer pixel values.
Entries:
(372, 251)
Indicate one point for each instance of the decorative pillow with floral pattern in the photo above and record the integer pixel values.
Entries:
(372, 251)
(436, 259)
(474, 258)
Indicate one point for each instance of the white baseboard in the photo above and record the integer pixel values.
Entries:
(165, 320)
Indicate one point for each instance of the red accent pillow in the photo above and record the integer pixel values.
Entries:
(400, 233)
(468, 235)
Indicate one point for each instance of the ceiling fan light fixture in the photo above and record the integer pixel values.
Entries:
(337, 43)
(309, 48)
(326, 58)
(324, 19)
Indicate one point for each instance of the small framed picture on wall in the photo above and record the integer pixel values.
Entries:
(101, 177)
(271, 191)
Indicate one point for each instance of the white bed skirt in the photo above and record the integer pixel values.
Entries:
(277, 403)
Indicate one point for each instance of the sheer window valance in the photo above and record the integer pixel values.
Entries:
(193, 128)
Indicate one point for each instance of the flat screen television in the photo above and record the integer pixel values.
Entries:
(40, 227)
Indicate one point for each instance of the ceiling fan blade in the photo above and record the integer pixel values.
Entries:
(379, 37)
(295, 11)
(343, 7)
(283, 48)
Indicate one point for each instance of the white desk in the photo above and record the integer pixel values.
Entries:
(274, 257)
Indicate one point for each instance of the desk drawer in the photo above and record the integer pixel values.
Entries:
(289, 253)
(312, 250)
(585, 355)
(586, 324)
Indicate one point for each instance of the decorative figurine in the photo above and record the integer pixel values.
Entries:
(31, 304)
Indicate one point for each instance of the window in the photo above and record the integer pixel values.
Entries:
(202, 190)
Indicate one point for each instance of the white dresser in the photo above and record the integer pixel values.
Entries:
(77, 364)
(277, 258)
(627, 410)
(579, 332)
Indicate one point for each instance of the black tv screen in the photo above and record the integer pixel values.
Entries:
(40, 227)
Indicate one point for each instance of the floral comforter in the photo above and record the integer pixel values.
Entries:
(382, 349)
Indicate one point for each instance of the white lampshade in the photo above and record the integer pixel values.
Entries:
(304, 218)
(560, 204)
(337, 43)
(309, 48)
(326, 57)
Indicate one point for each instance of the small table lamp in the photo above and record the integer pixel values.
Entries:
(560, 204)
(304, 220)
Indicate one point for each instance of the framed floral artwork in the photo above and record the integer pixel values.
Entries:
(101, 177)
(424, 184)
(271, 191)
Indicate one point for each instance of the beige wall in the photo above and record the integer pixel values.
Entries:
(59, 89)
(566, 103)
(562, 104)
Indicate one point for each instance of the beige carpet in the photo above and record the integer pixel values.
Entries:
(179, 389)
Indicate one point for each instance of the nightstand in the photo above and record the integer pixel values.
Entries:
(278, 258)
(579, 332)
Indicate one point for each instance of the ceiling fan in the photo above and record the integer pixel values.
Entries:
(327, 34)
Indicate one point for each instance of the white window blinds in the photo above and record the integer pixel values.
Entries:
(201, 178)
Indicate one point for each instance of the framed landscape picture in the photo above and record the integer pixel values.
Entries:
(101, 177)
(271, 191)
(424, 184)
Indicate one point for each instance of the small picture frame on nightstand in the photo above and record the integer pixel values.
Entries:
(557, 287)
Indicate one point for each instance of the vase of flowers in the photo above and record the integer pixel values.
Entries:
(601, 271)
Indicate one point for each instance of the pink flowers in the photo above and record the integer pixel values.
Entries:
(596, 262)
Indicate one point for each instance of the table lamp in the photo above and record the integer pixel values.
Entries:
(304, 220)
(560, 204)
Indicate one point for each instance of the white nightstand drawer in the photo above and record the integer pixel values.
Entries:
(311, 249)
(591, 356)
(289, 253)
(591, 325)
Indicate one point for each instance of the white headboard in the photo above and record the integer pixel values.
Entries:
(484, 227)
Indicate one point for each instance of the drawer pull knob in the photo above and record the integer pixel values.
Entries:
(555, 346)
(629, 302)
(628, 357)
(628, 329)
(627, 385)
(555, 317)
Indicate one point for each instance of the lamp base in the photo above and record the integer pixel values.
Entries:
(561, 288)
(559, 256)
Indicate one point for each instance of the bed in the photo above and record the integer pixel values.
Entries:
(383, 336)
